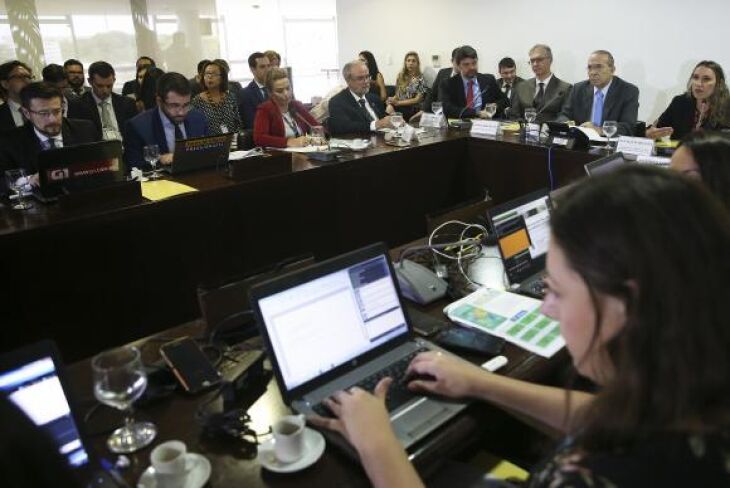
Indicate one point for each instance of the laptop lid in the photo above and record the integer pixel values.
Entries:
(327, 319)
(80, 167)
(605, 164)
(32, 378)
(201, 152)
(522, 228)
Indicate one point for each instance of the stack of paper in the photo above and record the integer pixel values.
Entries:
(517, 318)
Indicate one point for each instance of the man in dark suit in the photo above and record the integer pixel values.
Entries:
(47, 129)
(603, 97)
(508, 80)
(73, 108)
(441, 77)
(109, 111)
(14, 76)
(75, 74)
(131, 87)
(171, 120)
(465, 96)
(354, 109)
(546, 93)
(255, 92)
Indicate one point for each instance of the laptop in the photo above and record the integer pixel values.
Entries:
(200, 153)
(605, 164)
(522, 229)
(33, 379)
(341, 323)
(78, 168)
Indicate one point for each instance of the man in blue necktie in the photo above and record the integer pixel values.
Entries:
(603, 97)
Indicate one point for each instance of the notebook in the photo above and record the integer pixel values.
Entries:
(522, 229)
(341, 323)
(200, 152)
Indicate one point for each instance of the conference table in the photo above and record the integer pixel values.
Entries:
(92, 277)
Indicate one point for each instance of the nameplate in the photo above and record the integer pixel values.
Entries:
(408, 133)
(485, 127)
(638, 146)
(431, 121)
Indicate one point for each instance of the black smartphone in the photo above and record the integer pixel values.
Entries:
(191, 366)
(470, 340)
(425, 324)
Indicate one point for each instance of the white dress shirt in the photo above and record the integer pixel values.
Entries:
(367, 107)
(57, 140)
(17, 114)
(114, 133)
(545, 83)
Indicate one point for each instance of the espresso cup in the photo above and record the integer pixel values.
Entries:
(289, 438)
(169, 461)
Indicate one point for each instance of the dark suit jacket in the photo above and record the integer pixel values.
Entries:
(19, 147)
(434, 94)
(248, 101)
(130, 87)
(146, 129)
(6, 118)
(346, 115)
(680, 115)
(557, 93)
(515, 83)
(268, 128)
(453, 97)
(621, 104)
(124, 109)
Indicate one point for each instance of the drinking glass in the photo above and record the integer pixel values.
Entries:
(530, 116)
(152, 156)
(317, 137)
(18, 182)
(610, 127)
(396, 118)
(119, 380)
(437, 108)
(490, 109)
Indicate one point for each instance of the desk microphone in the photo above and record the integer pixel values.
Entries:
(545, 104)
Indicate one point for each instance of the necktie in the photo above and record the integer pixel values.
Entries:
(540, 97)
(470, 94)
(364, 109)
(50, 143)
(178, 133)
(265, 93)
(106, 119)
(597, 114)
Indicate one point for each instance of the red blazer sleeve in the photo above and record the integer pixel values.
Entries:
(305, 119)
(268, 128)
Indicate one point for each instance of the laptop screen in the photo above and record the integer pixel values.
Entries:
(36, 389)
(522, 227)
(605, 164)
(319, 325)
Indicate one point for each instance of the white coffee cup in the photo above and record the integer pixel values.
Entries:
(169, 461)
(289, 438)
(358, 144)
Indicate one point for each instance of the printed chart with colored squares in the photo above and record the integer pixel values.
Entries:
(515, 317)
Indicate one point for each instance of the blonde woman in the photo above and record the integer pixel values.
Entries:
(410, 87)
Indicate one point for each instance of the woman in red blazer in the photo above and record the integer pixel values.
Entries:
(281, 121)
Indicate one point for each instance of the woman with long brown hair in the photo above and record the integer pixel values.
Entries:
(410, 87)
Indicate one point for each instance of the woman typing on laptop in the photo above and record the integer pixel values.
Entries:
(637, 271)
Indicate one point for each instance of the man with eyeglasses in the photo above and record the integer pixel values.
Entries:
(546, 93)
(14, 76)
(603, 96)
(47, 128)
(354, 109)
(173, 119)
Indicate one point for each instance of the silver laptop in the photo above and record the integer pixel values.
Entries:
(341, 323)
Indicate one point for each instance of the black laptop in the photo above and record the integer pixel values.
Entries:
(605, 164)
(341, 323)
(522, 229)
(200, 153)
(33, 379)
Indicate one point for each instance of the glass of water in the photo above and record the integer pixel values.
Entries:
(530, 116)
(119, 380)
(18, 181)
(396, 118)
(490, 109)
(152, 156)
(437, 108)
(610, 128)
(317, 137)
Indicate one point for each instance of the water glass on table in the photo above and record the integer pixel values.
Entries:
(152, 156)
(18, 182)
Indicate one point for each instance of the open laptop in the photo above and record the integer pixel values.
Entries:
(200, 153)
(341, 323)
(605, 165)
(522, 229)
(77, 168)
(33, 379)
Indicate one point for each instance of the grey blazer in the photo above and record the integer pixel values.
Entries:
(621, 105)
(557, 93)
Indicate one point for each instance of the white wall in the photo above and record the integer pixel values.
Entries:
(655, 43)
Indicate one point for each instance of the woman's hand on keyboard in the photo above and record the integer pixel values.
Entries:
(452, 377)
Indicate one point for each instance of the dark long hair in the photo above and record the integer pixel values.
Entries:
(661, 244)
(711, 152)
(719, 100)
(148, 89)
(372, 64)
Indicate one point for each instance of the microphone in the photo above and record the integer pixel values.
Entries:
(545, 104)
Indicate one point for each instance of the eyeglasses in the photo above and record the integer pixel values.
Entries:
(47, 113)
(595, 67)
(536, 60)
(178, 106)
(361, 78)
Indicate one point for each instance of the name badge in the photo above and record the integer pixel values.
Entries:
(484, 127)
(639, 146)
(431, 121)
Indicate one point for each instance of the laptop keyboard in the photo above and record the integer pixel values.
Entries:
(398, 393)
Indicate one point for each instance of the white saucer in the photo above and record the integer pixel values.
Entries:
(198, 476)
(313, 448)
